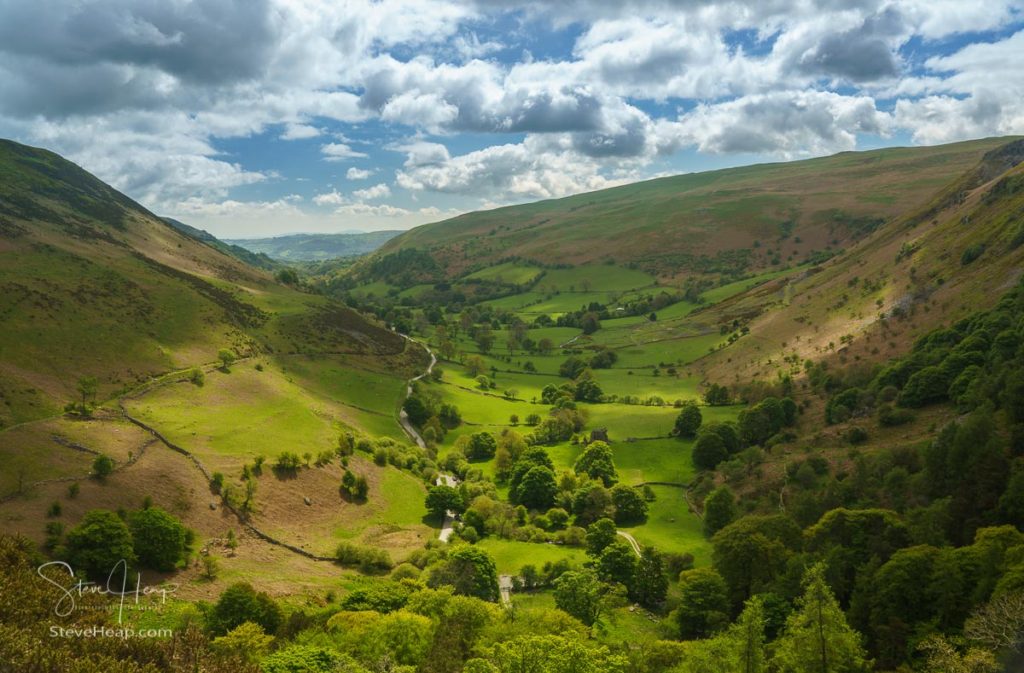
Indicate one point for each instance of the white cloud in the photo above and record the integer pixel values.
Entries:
(339, 152)
(332, 198)
(299, 132)
(358, 173)
(370, 193)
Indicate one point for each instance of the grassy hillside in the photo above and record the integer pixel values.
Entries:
(92, 284)
(315, 247)
(714, 222)
(258, 260)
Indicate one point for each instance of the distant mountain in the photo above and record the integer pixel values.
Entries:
(315, 247)
(258, 260)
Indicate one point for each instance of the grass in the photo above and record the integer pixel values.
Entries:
(510, 556)
(671, 528)
(509, 272)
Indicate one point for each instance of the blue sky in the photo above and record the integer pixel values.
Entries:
(265, 117)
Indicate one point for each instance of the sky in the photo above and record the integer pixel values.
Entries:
(267, 117)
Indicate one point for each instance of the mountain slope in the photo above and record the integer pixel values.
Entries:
(937, 263)
(91, 283)
(315, 247)
(259, 260)
(728, 221)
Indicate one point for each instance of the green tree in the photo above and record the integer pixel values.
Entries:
(580, 594)
(752, 552)
(470, 571)
(630, 506)
(538, 488)
(442, 498)
(98, 543)
(102, 466)
(703, 603)
(596, 461)
(240, 603)
(650, 584)
(719, 510)
(160, 539)
(87, 387)
(688, 421)
(481, 446)
(817, 638)
(600, 534)
(247, 641)
(226, 357)
(708, 451)
(617, 564)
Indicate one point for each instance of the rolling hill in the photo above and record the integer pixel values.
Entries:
(93, 284)
(730, 221)
(315, 247)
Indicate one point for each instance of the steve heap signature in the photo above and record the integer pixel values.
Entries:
(79, 587)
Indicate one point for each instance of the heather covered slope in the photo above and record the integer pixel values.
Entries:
(724, 221)
(92, 284)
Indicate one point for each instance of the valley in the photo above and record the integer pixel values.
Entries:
(662, 405)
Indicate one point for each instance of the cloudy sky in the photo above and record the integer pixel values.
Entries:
(257, 117)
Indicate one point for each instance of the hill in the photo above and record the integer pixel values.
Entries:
(258, 260)
(93, 284)
(728, 221)
(315, 247)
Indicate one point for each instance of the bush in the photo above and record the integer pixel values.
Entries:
(288, 461)
(197, 377)
(972, 253)
(102, 466)
(369, 560)
(688, 421)
(161, 540)
(856, 435)
(98, 543)
(241, 603)
(889, 417)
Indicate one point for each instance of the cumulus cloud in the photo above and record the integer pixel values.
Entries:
(299, 132)
(358, 173)
(143, 92)
(370, 193)
(339, 152)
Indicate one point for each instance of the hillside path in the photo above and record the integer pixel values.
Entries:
(631, 540)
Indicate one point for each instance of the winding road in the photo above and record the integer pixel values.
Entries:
(631, 540)
(443, 479)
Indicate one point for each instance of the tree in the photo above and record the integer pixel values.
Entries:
(87, 387)
(441, 499)
(98, 543)
(102, 466)
(630, 506)
(481, 446)
(416, 410)
(600, 534)
(572, 367)
(538, 488)
(596, 461)
(817, 638)
(650, 585)
(240, 603)
(719, 510)
(579, 593)
(708, 451)
(617, 564)
(470, 571)
(160, 539)
(226, 357)
(247, 641)
(590, 323)
(688, 421)
(591, 502)
(703, 603)
(751, 552)
(475, 366)
(484, 339)
(717, 396)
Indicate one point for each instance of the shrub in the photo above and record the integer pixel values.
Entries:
(856, 435)
(102, 466)
(160, 539)
(98, 543)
